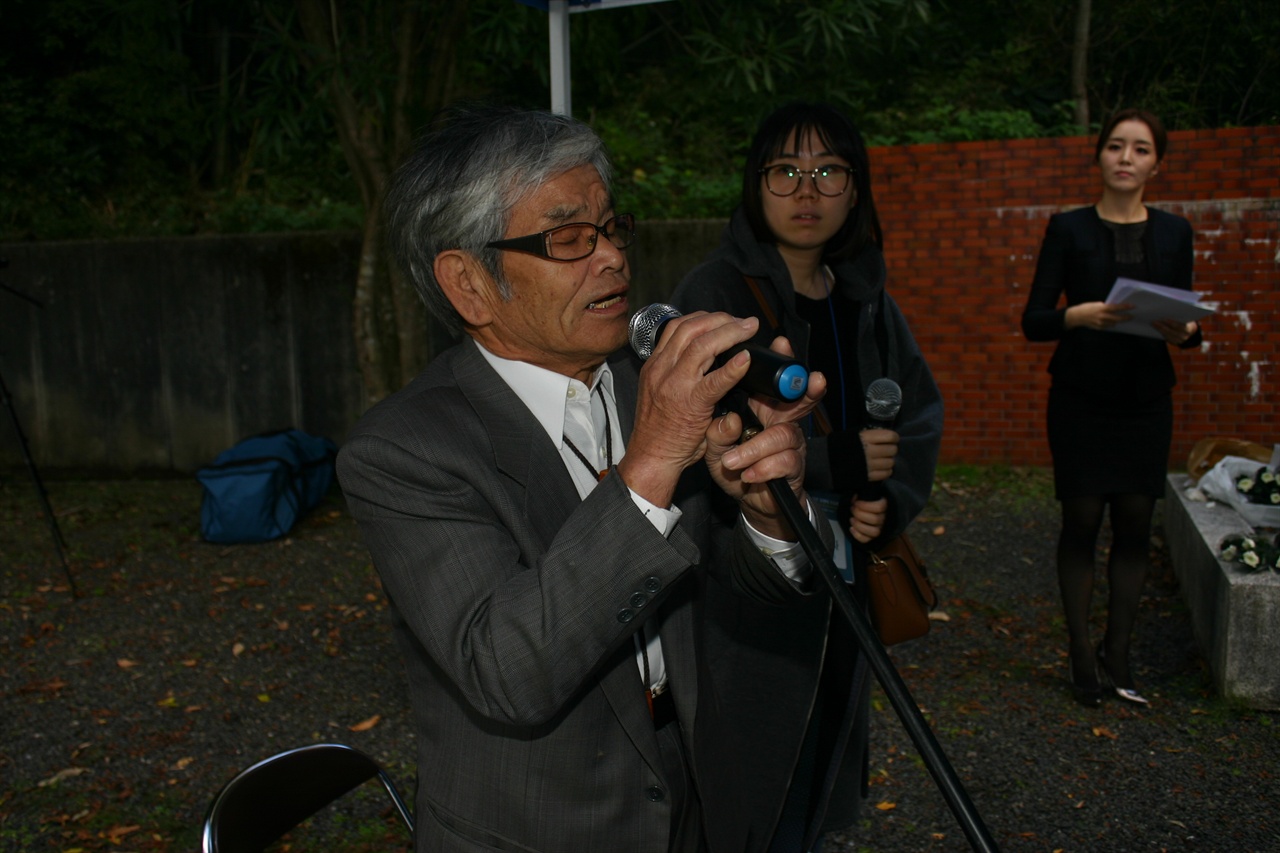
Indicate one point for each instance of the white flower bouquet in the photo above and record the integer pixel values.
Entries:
(1254, 553)
(1249, 489)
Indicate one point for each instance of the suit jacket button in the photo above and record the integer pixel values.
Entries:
(654, 794)
(638, 600)
(625, 615)
(652, 584)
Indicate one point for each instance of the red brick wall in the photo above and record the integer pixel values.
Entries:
(963, 224)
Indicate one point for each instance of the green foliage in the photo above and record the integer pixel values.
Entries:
(132, 117)
(654, 185)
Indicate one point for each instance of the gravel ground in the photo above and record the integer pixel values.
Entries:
(124, 710)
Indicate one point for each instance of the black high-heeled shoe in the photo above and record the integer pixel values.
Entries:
(1088, 695)
(1128, 694)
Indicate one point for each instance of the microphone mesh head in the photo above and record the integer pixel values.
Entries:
(884, 399)
(646, 326)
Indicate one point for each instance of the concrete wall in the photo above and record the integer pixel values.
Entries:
(156, 354)
(1235, 614)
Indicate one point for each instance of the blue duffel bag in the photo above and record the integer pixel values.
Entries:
(256, 490)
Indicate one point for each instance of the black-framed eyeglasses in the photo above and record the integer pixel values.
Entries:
(574, 241)
(784, 179)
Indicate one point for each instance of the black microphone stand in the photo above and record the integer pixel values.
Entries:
(59, 544)
(894, 687)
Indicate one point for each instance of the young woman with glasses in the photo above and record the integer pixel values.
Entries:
(802, 252)
(1110, 414)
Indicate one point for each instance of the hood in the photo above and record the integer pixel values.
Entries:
(858, 279)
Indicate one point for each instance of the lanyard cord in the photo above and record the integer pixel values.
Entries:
(835, 336)
(608, 444)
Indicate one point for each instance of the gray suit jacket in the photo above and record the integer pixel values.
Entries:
(515, 604)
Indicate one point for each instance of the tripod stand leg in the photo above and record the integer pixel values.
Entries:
(59, 544)
(895, 689)
(944, 775)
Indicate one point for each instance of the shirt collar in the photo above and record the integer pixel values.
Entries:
(543, 391)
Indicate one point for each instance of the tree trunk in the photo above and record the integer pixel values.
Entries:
(370, 349)
(374, 130)
(1080, 66)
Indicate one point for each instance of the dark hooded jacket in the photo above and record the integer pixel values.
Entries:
(836, 463)
(813, 715)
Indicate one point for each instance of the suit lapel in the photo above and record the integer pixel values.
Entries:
(523, 451)
(623, 685)
(674, 620)
(521, 448)
(625, 390)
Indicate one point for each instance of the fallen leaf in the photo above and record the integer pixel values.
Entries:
(1103, 731)
(60, 775)
(886, 807)
(939, 616)
(306, 607)
(183, 763)
(263, 697)
(53, 686)
(189, 662)
(125, 663)
(365, 725)
(939, 530)
(169, 701)
(121, 831)
(237, 649)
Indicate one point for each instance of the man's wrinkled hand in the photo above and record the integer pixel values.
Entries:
(677, 399)
(744, 470)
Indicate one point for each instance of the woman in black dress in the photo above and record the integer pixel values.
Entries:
(1110, 414)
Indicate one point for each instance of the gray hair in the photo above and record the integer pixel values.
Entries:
(458, 188)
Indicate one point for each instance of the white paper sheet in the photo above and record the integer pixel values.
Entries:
(1150, 302)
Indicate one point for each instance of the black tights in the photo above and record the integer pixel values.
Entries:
(1126, 573)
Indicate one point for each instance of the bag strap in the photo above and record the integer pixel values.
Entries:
(765, 307)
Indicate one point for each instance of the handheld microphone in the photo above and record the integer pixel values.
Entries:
(884, 400)
(770, 374)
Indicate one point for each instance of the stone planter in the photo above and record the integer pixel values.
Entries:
(1235, 614)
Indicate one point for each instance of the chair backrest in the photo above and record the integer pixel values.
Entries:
(265, 801)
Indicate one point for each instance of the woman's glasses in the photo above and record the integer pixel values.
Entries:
(785, 179)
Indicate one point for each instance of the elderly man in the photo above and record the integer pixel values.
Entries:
(551, 522)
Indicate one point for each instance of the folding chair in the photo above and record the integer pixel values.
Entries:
(265, 801)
